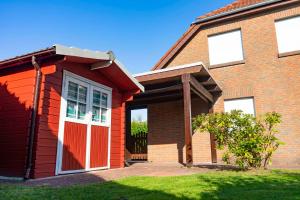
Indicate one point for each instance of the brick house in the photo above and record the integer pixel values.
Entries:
(246, 56)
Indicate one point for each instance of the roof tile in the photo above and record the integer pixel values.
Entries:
(233, 6)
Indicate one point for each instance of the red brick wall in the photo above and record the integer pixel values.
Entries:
(273, 82)
(166, 133)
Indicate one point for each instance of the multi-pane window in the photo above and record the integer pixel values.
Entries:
(100, 106)
(288, 34)
(225, 48)
(76, 101)
(85, 99)
(246, 105)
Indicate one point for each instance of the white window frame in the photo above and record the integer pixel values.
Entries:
(211, 48)
(282, 35)
(69, 76)
(240, 99)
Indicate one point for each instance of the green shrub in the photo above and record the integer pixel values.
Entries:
(249, 142)
(138, 127)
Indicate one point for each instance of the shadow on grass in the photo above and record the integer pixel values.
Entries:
(213, 185)
(218, 167)
(99, 190)
(255, 185)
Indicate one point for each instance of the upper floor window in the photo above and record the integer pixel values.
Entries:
(225, 48)
(288, 34)
(245, 104)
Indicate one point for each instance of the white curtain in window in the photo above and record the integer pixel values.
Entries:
(288, 34)
(225, 47)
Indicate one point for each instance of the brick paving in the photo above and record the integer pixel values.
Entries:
(138, 169)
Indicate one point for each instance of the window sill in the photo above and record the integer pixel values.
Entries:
(292, 53)
(227, 64)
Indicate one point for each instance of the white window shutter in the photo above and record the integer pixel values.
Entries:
(245, 104)
(225, 47)
(288, 34)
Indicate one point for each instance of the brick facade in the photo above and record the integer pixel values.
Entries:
(166, 143)
(273, 81)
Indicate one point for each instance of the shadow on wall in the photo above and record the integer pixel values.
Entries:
(14, 119)
(15, 115)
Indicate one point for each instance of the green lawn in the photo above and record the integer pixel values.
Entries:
(214, 185)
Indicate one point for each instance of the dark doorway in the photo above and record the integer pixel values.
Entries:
(136, 134)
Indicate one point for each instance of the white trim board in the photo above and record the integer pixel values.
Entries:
(170, 69)
(68, 76)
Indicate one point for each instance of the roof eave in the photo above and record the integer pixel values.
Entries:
(265, 3)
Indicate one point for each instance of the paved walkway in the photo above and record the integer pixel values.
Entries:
(138, 169)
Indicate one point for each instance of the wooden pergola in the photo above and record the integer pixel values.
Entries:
(176, 83)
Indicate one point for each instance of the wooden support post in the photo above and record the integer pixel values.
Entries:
(187, 119)
(213, 148)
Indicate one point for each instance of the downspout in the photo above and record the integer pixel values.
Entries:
(33, 116)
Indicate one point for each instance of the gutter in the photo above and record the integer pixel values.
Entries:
(236, 11)
(33, 117)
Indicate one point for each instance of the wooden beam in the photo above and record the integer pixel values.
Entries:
(195, 83)
(160, 90)
(208, 81)
(156, 99)
(199, 95)
(187, 119)
(213, 148)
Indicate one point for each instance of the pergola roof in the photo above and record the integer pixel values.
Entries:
(166, 84)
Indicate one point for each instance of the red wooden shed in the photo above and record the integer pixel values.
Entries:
(62, 110)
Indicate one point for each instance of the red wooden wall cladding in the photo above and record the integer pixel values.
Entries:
(99, 147)
(74, 149)
(16, 94)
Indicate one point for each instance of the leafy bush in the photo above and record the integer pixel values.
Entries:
(249, 142)
(138, 127)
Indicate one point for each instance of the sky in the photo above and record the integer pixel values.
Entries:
(139, 32)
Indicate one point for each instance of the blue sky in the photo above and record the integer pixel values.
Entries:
(138, 31)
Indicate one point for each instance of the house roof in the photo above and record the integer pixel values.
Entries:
(94, 58)
(236, 9)
(232, 6)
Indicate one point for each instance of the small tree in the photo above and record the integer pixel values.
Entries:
(248, 141)
(138, 127)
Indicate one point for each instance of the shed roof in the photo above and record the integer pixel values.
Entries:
(93, 58)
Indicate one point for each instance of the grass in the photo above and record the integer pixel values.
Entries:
(214, 185)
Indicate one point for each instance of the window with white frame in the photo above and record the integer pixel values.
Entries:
(83, 99)
(100, 106)
(288, 34)
(225, 47)
(76, 101)
(246, 105)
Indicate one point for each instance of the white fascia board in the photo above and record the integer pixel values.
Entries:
(72, 51)
(134, 80)
(170, 69)
(84, 53)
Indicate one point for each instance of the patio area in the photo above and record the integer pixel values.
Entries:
(136, 169)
